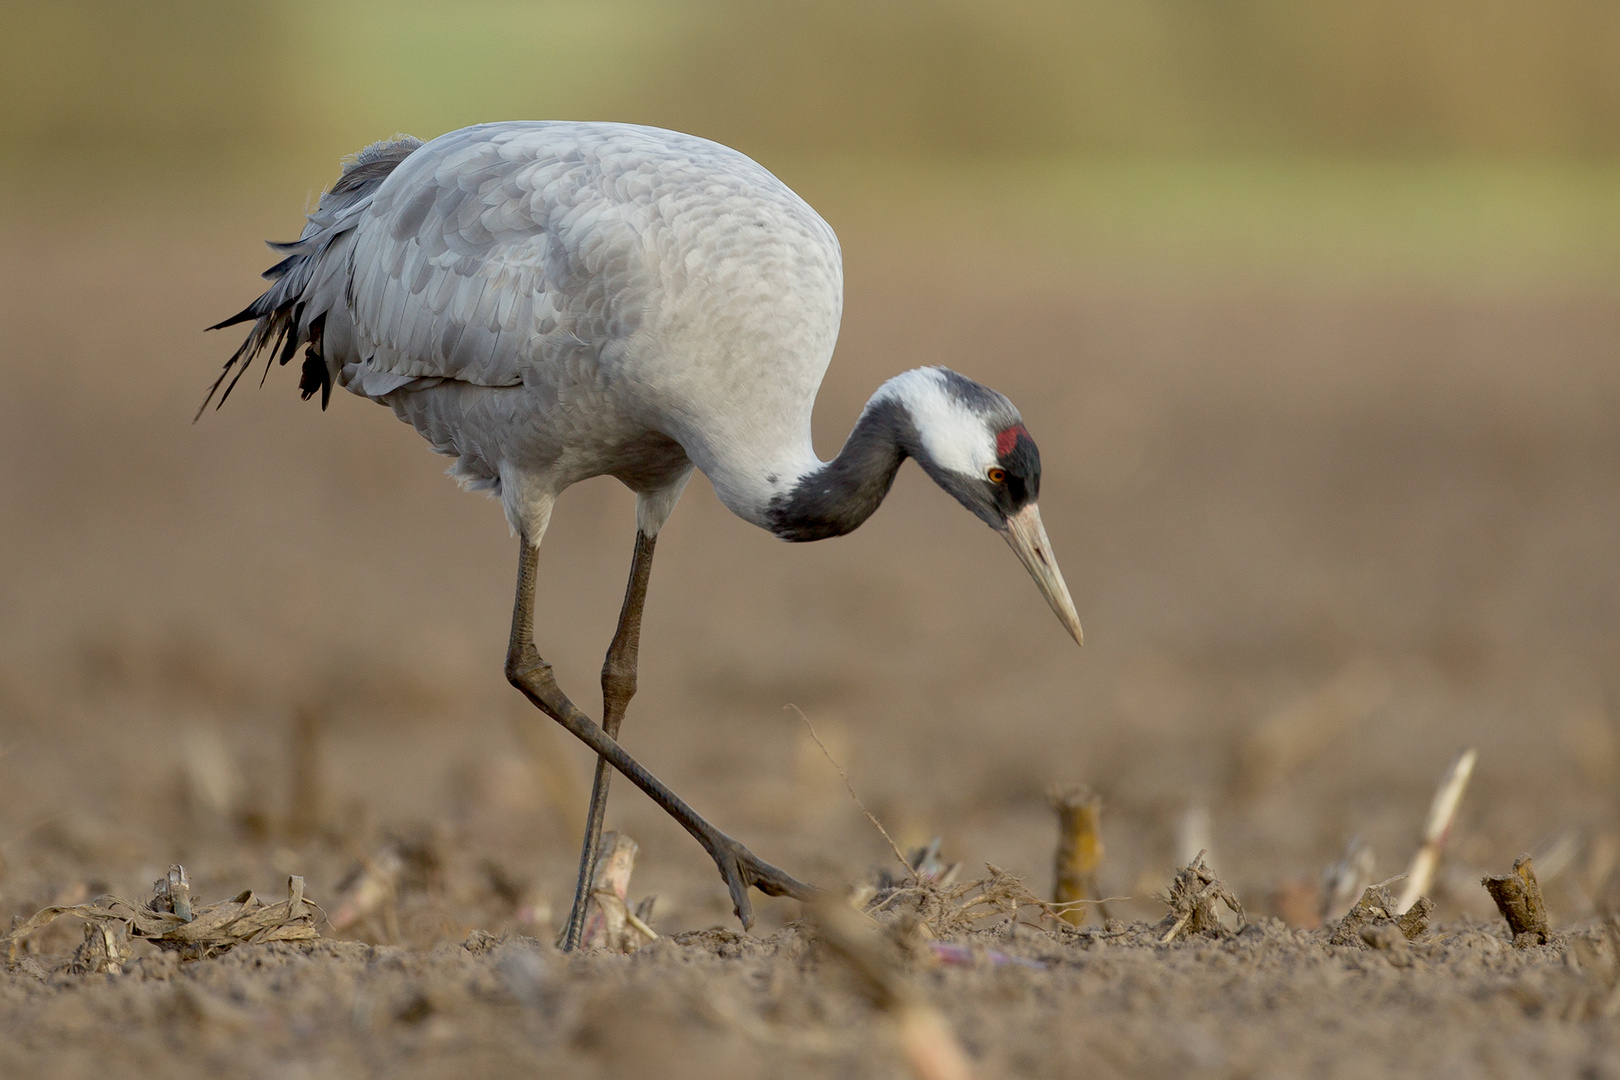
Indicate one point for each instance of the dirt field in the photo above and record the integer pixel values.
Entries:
(1321, 539)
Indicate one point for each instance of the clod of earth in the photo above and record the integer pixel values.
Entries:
(1518, 898)
(171, 922)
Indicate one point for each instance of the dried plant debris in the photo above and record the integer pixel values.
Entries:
(1191, 899)
(929, 865)
(170, 921)
(1079, 854)
(104, 951)
(1518, 898)
(1372, 923)
(945, 910)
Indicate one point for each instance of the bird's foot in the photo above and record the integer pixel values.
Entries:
(742, 868)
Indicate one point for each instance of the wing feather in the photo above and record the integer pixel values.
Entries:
(468, 259)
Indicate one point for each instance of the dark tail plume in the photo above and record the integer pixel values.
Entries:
(279, 316)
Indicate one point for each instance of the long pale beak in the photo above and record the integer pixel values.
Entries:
(1027, 536)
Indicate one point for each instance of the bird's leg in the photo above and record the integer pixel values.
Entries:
(526, 670)
(618, 686)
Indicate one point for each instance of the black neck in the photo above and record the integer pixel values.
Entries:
(837, 497)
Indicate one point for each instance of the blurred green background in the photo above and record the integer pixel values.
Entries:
(1437, 139)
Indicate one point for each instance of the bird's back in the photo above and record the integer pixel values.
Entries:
(623, 277)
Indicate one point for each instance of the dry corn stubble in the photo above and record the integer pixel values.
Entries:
(1518, 898)
(1373, 922)
(1079, 854)
(1437, 827)
(610, 923)
(1191, 899)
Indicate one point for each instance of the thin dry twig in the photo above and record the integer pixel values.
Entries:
(842, 775)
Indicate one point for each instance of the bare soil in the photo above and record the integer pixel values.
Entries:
(1321, 539)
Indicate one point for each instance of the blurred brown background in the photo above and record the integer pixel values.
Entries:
(1311, 308)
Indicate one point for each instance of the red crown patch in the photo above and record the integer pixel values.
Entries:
(1008, 438)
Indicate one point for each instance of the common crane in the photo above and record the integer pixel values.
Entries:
(546, 302)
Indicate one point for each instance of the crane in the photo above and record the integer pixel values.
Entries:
(550, 301)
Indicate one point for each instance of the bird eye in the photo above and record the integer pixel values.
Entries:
(997, 476)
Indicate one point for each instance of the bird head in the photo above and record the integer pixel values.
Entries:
(972, 441)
